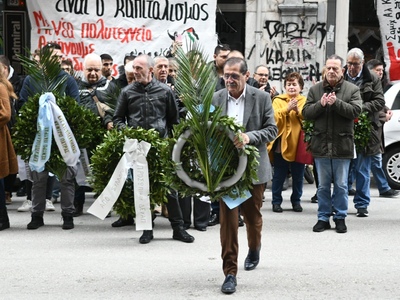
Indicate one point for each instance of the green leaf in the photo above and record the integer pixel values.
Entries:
(208, 156)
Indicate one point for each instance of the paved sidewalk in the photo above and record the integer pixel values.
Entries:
(96, 261)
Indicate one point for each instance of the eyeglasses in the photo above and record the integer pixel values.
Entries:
(355, 64)
(90, 70)
(53, 46)
(233, 76)
(262, 74)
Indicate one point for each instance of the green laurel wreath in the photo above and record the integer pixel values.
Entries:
(107, 155)
(83, 123)
(362, 131)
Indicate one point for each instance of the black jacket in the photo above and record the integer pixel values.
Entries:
(150, 106)
(105, 90)
(373, 102)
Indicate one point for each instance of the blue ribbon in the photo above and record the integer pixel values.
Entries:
(41, 147)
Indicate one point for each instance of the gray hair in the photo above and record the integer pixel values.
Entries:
(356, 52)
(157, 59)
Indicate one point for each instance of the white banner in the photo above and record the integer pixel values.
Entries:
(389, 20)
(119, 27)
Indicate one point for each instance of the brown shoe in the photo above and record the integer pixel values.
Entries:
(8, 198)
(164, 211)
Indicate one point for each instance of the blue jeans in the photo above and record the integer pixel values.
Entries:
(336, 170)
(363, 168)
(379, 175)
(281, 169)
(352, 173)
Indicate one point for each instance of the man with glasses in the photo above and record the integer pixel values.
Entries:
(261, 74)
(251, 108)
(373, 102)
(94, 88)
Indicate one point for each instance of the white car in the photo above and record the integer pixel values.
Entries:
(391, 129)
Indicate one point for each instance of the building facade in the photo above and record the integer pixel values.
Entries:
(286, 35)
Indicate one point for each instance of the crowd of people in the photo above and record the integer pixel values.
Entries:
(144, 95)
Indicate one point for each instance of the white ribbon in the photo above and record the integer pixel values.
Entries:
(51, 121)
(84, 171)
(134, 158)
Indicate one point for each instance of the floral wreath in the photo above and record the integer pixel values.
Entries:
(107, 155)
(84, 124)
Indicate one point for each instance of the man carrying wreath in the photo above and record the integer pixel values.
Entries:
(148, 103)
(68, 87)
(251, 108)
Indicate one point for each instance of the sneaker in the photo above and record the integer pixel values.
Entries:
(26, 206)
(362, 212)
(341, 226)
(321, 226)
(8, 198)
(49, 205)
(389, 194)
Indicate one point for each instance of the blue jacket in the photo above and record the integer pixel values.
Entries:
(69, 88)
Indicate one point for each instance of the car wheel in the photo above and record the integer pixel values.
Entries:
(391, 167)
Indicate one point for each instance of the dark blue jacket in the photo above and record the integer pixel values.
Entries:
(69, 88)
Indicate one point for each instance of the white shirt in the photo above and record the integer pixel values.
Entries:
(235, 107)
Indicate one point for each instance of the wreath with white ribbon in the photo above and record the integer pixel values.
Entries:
(107, 156)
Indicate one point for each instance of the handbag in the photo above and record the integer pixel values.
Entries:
(302, 155)
(101, 107)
